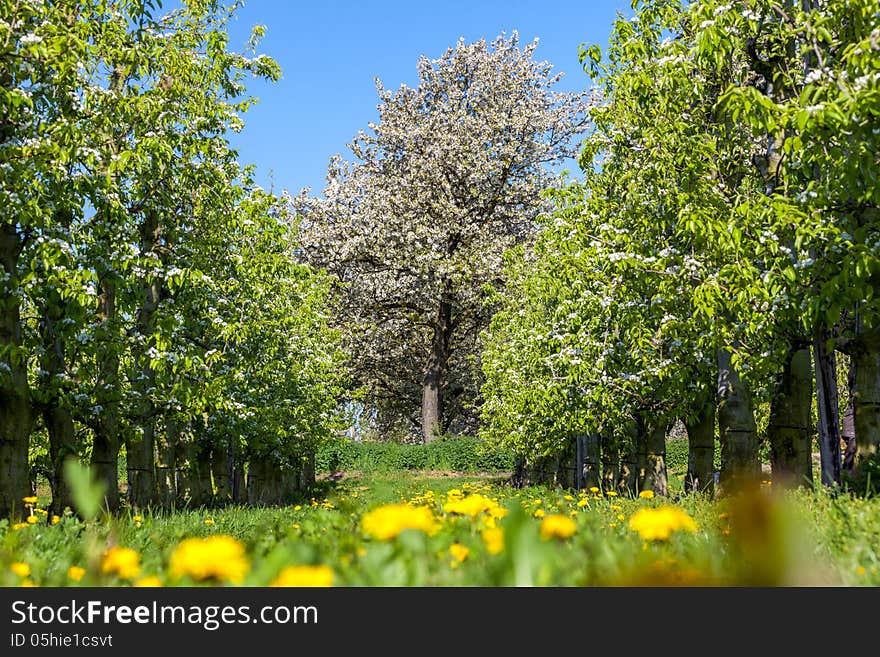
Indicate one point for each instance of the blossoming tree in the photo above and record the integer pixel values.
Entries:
(416, 226)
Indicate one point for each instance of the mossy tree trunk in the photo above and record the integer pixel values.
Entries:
(736, 427)
(790, 426)
(700, 428)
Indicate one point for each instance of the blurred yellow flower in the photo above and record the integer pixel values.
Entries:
(304, 576)
(26, 583)
(611, 493)
(658, 524)
(220, 558)
(647, 494)
(494, 540)
(56, 520)
(557, 526)
(620, 516)
(76, 573)
(568, 498)
(209, 521)
(32, 520)
(458, 551)
(594, 489)
(19, 525)
(298, 507)
(137, 518)
(150, 581)
(386, 522)
(21, 569)
(539, 513)
(122, 561)
(29, 500)
(584, 501)
(41, 512)
(860, 570)
(616, 507)
(471, 505)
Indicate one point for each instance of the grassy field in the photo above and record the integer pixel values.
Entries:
(410, 529)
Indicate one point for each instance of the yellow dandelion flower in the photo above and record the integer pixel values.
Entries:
(493, 537)
(539, 513)
(860, 570)
(658, 524)
(21, 569)
(611, 493)
(41, 512)
(121, 561)
(296, 525)
(56, 520)
(458, 551)
(298, 507)
(221, 558)
(209, 521)
(584, 501)
(386, 522)
(19, 525)
(647, 494)
(137, 518)
(616, 507)
(32, 520)
(568, 498)
(31, 499)
(150, 582)
(497, 512)
(26, 583)
(76, 573)
(472, 505)
(594, 489)
(304, 576)
(620, 516)
(557, 526)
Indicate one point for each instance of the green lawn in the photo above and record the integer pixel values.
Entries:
(463, 530)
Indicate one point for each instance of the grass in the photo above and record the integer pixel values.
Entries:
(762, 538)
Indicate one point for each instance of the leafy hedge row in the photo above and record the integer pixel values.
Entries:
(455, 454)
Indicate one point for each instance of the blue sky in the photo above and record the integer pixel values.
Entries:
(330, 51)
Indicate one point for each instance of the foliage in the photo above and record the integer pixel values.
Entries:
(729, 199)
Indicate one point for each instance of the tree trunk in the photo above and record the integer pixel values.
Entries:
(435, 371)
(264, 482)
(16, 418)
(866, 404)
(141, 446)
(653, 469)
(56, 415)
(827, 413)
(628, 484)
(307, 472)
(222, 475)
(188, 484)
(106, 440)
(166, 464)
(848, 426)
(62, 446)
(588, 461)
(610, 450)
(736, 427)
(790, 428)
(701, 450)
